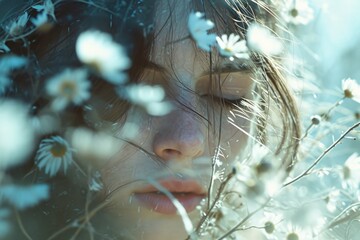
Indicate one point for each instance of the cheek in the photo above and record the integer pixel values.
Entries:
(235, 135)
(128, 163)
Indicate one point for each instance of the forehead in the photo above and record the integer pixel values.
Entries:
(173, 48)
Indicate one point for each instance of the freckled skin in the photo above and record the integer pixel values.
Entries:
(182, 141)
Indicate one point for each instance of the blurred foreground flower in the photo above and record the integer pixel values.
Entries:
(97, 50)
(198, 28)
(297, 12)
(351, 89)
(68, 86)
(24, 196)
(53, 154)
(16, 133)
(230, 46)
(41, 22)
(47, 8)
(93, 147)
(149, 97)
(350, 171)
(261, 40)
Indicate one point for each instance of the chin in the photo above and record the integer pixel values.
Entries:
(147, 225)
(162, 229)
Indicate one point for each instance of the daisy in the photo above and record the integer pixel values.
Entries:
(17, 27)
(54, 153)
(230, 46)
(99, 51)
(41, 22)
(47, 8)
(17, 135)
(149, 97)
(298, 12)
(271, 221)
(40, 19)
(260, 39)
(68, 86)
(351, 89)
(198, 28)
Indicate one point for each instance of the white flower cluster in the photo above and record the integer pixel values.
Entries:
(97, 50)
(259, 39)
(228, 46)
(17, 27)
(149, 97)
(351, 89)
(297, 12)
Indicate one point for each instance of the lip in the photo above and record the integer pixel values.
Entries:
(188, 192)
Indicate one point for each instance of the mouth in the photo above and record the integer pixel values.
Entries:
(189, 193)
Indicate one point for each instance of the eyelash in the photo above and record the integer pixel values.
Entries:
(231, 102)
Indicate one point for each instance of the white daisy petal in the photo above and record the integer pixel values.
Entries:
(297, 12)
(351, 89)
(198, 28)
(47, 8)
(17, 27)
(260, 39)
(70, 86)
(230, 46)
(15, 125)
(97, 50)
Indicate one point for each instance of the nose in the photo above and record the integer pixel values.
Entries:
(180, 136)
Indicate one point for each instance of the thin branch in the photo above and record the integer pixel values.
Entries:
(236, 227)
(22, 228)
(307, 131)
(84, 218)
(306, 172)
(213, 204)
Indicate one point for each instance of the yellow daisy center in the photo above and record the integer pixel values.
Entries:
(95, 65)
(228, 49)
(68, 88)
(348, 93)
(269, 227)
(346, 172)
(292, 236)
(58, 149)
(357, 115)
(294, 12)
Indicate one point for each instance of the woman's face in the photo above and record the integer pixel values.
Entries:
(177, 150)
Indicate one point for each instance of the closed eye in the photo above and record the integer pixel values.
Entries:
(224, 100)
